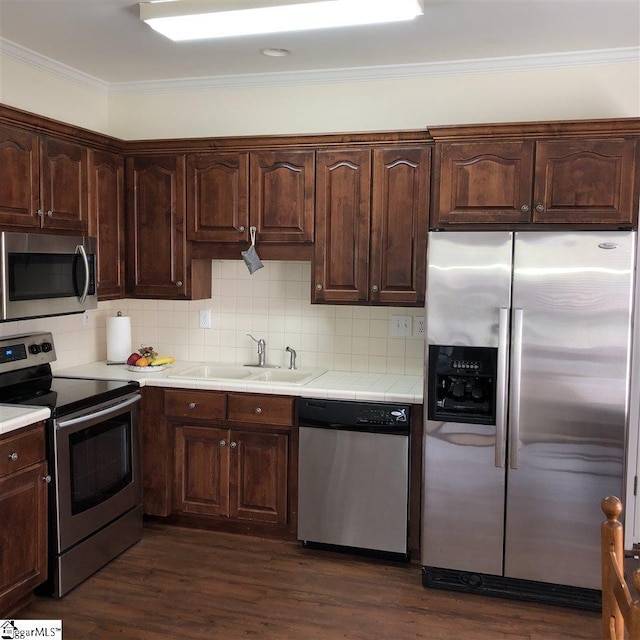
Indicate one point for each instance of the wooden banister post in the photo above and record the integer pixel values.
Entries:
(611, 533)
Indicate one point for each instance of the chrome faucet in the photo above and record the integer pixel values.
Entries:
(261, 350)
(292, 360)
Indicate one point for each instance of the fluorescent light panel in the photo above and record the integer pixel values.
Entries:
(205, 19)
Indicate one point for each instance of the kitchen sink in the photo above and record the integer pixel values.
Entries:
(250, 374)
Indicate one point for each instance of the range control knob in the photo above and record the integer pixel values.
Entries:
(46, 347)
(34, 349)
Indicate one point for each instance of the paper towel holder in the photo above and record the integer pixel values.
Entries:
(118, 354)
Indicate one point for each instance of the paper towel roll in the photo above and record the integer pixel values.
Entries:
(118, 339)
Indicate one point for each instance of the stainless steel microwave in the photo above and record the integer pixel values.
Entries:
(47, 275)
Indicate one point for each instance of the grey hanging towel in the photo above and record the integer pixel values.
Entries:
(250, 256)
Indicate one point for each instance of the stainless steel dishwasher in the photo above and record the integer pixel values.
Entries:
(353, 482)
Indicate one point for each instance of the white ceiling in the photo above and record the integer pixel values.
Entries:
(106, 39)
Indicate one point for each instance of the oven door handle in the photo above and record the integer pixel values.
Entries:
(111, 409)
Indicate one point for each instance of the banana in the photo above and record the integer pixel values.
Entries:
(162, 360)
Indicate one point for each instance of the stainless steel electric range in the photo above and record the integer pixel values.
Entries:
(93, 452)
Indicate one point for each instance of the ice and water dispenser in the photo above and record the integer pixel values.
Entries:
(462, 384)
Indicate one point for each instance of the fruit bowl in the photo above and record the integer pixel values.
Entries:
(148, 369)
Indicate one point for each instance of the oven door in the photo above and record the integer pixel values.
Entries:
(97, 468)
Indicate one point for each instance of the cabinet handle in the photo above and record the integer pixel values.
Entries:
(233, 445)
(240, 229)
(40, 212)
(222, 443)
(50, 214)
(539, 207)
(318, 287)
(524, 208)
(192, 405)
(13, 456)
(258, 410)
(375, 288)
(46, 478)
(178, 283)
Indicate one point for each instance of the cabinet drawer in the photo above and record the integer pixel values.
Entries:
(21, 450)
(203, 405)
(257, 409)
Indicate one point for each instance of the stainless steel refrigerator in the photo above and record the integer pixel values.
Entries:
(526, 403)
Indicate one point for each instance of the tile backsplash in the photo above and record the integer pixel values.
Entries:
(273, 304)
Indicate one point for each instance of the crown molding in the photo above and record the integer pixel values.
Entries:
(325, 76)
(53, 67)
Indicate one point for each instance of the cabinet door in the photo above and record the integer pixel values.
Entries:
(106, 220)
(399, 224)
(282, 190)
(217, 197)
(586, 181)
(258, 481)
(343, 207)
(156, 235)
(19, 171)
(483, 182)
(201, 471)
(63, 185)
(23, 534)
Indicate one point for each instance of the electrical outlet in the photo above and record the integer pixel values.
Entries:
(85, 319)
(400, 326)
(419, 327)
(204, 319)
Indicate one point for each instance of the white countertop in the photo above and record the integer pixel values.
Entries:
(14, 417)
(339, 385)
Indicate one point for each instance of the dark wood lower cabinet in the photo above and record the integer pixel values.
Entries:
(23, 518)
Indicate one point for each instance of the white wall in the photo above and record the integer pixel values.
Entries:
(600, 91)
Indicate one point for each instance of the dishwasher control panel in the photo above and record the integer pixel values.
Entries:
(378, 417)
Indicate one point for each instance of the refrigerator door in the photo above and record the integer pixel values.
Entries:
(571, 323)
(469, 281)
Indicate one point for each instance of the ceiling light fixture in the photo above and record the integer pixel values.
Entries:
(220, 18)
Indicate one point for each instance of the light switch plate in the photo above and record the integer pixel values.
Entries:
(204, 319)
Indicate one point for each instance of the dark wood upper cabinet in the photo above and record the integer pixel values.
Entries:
(218, 197)
(343, 224)
(158, 264)
(63, 185)
(20, 178)
(372, 213)
(282, 195)
(106, 221)
(399, 225)
(44, 182)
(484, 182)
(548, 176)
(585, 181)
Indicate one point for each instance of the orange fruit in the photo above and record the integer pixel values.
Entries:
(142, 362)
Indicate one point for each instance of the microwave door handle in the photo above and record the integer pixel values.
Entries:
(83, 254)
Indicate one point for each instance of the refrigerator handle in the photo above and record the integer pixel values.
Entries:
(501, 386)
(514, 399)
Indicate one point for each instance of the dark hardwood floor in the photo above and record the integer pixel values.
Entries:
(182, 583)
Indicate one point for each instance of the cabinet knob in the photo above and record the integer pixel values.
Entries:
(524, 208)
(192, 405)
(178, 283)
(46, 478)
(539, 207)
(13, 456)
(375, 288)
(222, 443)
(233, 445)
(258, 410)
(40, 212)
(241, 229)
(50, 214)
(318, 287)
